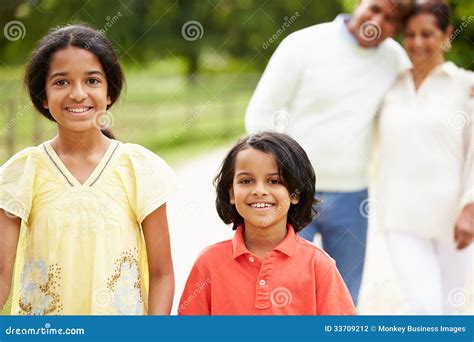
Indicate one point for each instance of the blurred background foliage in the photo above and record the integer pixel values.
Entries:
(186, 90)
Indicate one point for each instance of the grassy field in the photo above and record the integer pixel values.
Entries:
(159, 109)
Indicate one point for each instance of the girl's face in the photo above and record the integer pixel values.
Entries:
(76, 89)
(257, 190)
(423, 39)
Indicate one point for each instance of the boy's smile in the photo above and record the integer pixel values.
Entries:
(258, 192)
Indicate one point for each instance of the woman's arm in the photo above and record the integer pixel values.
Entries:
(9, 233)
(160, 264)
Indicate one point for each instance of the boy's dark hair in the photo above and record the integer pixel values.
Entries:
(295, 170)
(437, 8)
(80, 36)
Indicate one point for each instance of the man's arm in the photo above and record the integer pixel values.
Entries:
(272, 98)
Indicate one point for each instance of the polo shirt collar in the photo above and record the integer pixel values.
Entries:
(287, 246)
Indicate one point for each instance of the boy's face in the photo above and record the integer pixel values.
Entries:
(76, 89)
(257, 191)
(374, 21)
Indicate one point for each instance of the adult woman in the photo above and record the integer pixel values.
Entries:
(424, 186)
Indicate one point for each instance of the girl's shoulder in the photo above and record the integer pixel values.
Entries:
(143, 164)
(28, 157)
(139, 154)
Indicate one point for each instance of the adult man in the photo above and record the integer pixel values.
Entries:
(322, 86)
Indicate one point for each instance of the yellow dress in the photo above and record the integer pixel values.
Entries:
(81, 249)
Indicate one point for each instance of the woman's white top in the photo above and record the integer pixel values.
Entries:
(425, 174)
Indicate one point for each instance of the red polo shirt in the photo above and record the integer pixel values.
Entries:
(295, 278)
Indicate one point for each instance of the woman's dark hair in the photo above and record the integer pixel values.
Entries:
(437, 8)
(80, 36)
(295, 170)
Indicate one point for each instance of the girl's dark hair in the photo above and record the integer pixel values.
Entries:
(295, 171)
(80, 36)
(437, 8)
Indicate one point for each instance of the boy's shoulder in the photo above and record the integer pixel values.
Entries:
(309, 248)
(216, 252)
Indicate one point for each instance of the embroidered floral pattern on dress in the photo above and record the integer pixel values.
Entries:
(38, 288)
(125, 285)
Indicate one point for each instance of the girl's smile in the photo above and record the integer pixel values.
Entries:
(76, 89)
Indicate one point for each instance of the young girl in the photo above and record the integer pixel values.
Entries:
(94, 233)
(265, 189)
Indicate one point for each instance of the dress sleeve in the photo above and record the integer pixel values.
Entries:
(17, 177)
(154, 181)
(196, 297)
(332, 295)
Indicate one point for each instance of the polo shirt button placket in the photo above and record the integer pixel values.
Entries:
(263, 298)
